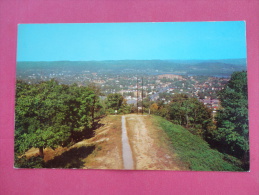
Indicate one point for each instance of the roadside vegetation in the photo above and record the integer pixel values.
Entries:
(194, 152)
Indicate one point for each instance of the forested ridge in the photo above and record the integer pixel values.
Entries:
(50, 114)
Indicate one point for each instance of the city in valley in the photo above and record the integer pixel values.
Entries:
(196, 79)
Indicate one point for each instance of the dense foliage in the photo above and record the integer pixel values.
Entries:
(49, 114)
(232, 119)
(114, 101)
(188, 112)
(116, 104)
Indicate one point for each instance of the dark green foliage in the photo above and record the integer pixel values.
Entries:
(191, 113)
(40, 115)
(114, 101)
(49, 114)
(33, 162)
(117, 102)
(232, 119)
(194, 152)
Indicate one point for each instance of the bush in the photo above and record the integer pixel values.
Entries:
(32, 162)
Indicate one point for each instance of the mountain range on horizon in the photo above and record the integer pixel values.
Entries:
(237, 61)
(224, 67)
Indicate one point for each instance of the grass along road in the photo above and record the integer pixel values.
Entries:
(150, 145)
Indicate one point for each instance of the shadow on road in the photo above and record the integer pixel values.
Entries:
(72, 158)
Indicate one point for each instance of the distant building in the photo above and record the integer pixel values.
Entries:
(170, 76)
(99, 81)
(211, 103)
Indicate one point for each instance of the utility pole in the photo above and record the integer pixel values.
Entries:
(142, 96)
(137, 95)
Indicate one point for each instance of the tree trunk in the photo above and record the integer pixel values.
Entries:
(93, 110)
(41, 151)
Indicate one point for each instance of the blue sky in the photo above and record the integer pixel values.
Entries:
(136, 41)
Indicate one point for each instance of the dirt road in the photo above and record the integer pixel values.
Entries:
(145, 142)
(108, 144)
(150, 145)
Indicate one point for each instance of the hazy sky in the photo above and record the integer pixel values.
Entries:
(119, 41)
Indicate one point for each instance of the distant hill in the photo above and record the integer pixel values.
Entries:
(240, 61)
(150, 67)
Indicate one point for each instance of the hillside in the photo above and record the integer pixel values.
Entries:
(194, 151)
(156, 144)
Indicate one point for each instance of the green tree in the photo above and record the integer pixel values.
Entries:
(49, 114)
(232, 119)
(191, 113)
(96, 105)
(114, 101)
(80, 115)
(40, 116)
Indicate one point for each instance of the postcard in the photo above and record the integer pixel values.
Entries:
(132, 96)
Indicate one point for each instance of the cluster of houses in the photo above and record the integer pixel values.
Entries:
(170, 76)
(214, 104)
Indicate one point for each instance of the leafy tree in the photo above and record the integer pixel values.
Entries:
(114, 101)
(232, 119)
(96, 106)
(154, 107)
(191, 113)
(126, 108)
(178, 110)
(40, 116)
(49, 114)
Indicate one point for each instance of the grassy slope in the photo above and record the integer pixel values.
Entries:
(195, 151)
